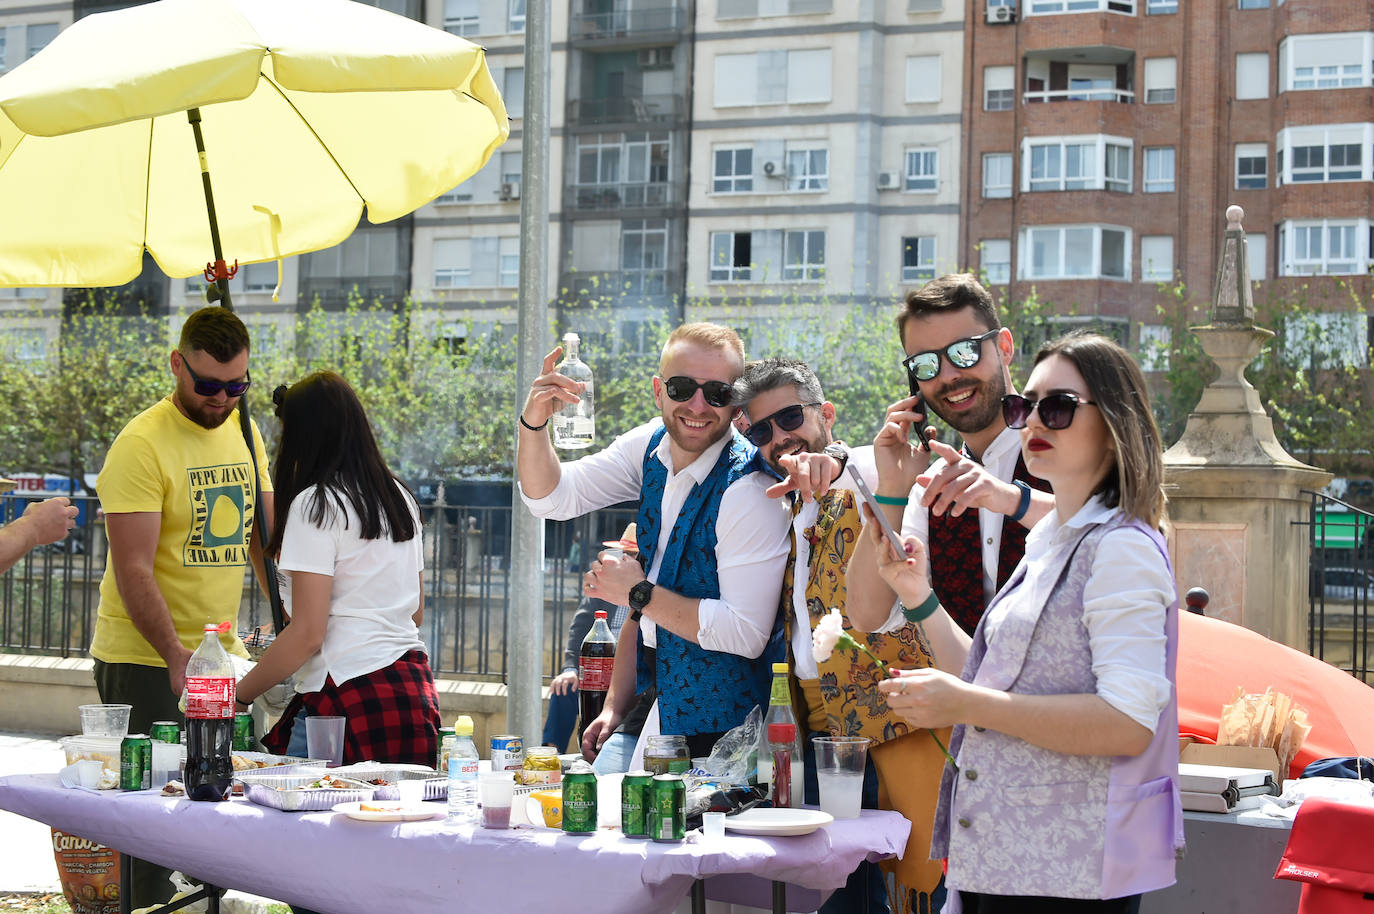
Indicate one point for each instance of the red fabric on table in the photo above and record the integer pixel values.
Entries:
(1329, 852)
(392, 714)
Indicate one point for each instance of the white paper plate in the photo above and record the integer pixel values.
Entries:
(778, 822)
(394, 812)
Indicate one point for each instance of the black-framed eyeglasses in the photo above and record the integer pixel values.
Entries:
(1056, 410)
(209, 387)
(681, 389)
(789, 419)
(961, 354)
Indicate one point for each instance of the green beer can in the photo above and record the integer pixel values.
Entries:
(579, 799)
(135, 762)
(166, 731)
(667, 816)
(243, 731)
(634, 804)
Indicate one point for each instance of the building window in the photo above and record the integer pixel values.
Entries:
(1156, 258)
(452, 263)
(918, 258)
(1077, 163)
(39, 36)
(1315, 154)
(808, 169)
(1253, 5)
(772, 78)
(1075, 252)
(922, 170)
(1251, 166)
(516, 17)
(260, 277)
(1326, 61)
(923, 78)
(1160, 7)
(644, 256)
(999, 88)
(1252, 75)
(3, 30)
(513, 91)
(734, 170)
(463, 17)
(995, 255)
(1161, 75)
(510, 263)
(1257, 256)
(803, 256)
(1327, 339)
(510, 166)
(1159, 170)
(1326, 247)
(1052, 7)
(731, 257)
(996, 175)
(924, 6)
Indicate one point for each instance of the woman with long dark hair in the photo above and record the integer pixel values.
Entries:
(348, 547)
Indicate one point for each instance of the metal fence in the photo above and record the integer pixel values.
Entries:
(1339, 583)
(48, 600)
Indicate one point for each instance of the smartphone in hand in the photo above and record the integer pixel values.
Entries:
(921, 408)
(889, 533)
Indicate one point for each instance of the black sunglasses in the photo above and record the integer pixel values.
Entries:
(961, 354)
(789, 419)
(716, 393)
(1056, 410)
(207, 387)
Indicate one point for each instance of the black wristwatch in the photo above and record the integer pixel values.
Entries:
(640, 595)
(838, 451)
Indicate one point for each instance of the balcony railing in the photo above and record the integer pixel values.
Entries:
(599, 197)
(1079, 95)
(625, 23)
(615, 286)
(643, 109)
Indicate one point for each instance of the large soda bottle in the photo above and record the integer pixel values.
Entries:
(594, 666)
(780, 766)
(574, 426)
(209, 718)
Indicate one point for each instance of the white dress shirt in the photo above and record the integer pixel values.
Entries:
(803, 661)
(1124, 604)
(751, 532)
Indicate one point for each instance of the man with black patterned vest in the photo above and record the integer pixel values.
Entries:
(973, 506)
(712, 543)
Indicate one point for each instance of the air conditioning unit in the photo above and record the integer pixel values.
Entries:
(655, 58)
(774, 170)
(510, 190)
(999, 14)
(889, 180)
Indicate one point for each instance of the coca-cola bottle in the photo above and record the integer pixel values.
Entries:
(594, 666)
(209, 718)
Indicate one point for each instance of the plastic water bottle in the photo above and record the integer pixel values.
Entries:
(462, 774)
(574, 426)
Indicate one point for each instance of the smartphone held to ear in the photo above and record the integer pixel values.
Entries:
(920, 407)
(889, 533)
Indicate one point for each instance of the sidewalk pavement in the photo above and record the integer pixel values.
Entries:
(26, 858)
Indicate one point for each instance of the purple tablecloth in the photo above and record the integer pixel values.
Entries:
(336, 864)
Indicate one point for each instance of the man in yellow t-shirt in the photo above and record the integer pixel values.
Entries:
(178, 494)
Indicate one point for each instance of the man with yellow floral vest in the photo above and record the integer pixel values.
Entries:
(790, 422)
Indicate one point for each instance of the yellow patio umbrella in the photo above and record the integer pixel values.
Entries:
(310, 110)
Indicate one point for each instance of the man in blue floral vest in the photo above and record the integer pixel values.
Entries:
(713, 546)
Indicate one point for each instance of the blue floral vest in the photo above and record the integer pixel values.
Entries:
(699, 690)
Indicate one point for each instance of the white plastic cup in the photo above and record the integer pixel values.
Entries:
(166, 763)
(840, 773)
(412, 792)
(324, 739)
(88, 772)
(496, 791)
(713, 824)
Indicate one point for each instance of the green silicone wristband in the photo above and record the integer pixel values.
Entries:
(1024, 504)
(889, 500)
(924, 611)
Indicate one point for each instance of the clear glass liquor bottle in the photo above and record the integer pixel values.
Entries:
(574, 426)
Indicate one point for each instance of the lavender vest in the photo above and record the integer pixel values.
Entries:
(1022, 820)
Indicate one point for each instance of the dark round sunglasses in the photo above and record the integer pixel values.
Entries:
(208, 387)
(716, 393)
(1056, 410)
(961, 354)
(789, 419)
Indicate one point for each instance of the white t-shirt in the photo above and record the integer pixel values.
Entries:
(375, 592)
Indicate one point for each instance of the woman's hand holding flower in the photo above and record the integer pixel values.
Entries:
(929, 697)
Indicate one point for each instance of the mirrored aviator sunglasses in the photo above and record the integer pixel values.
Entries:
(682, 389)
(1056, 410)
(789, 419)
(962, 354)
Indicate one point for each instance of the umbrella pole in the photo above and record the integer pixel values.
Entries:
(221, 278)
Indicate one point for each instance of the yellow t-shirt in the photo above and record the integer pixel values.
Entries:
(200, 481)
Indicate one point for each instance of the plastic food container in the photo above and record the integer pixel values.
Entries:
(105, 720)
(436, 784)
(103, 748)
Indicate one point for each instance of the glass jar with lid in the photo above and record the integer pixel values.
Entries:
(541, 766)
(666, 755)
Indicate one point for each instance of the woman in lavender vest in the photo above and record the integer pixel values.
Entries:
(1065, 797)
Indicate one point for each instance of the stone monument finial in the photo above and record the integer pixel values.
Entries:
(1233, 303)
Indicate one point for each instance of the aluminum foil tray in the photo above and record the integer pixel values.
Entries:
(289, 792)
(436, 784)
(277, 764)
